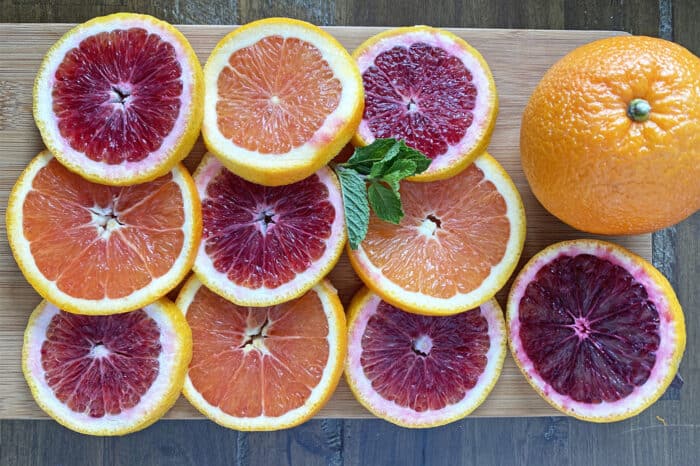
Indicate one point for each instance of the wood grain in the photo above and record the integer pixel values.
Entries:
(518, 59)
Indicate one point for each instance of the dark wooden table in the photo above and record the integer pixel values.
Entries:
(666, 434)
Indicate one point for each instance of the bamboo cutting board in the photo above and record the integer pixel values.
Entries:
(518, 59)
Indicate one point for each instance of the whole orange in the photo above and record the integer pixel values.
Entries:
(610, 139)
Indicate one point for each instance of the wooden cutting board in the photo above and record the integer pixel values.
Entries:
(518, 59)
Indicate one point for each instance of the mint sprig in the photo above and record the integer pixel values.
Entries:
(371, 179)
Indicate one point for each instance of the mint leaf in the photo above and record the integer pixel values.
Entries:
(400, 169)
(385, 203)
(409, 153)
(393, 179)
(380, 167)
(382, 164)
(364, 157)
(356, 208)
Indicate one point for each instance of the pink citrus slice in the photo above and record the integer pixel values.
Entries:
(422, 371)
(430, 88)
(119, 99)
(595, 329)
(95, 249)
(106, 375)
(265, 245)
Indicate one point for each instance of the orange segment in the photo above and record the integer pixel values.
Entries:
(244, 380)
(275, 95)
(470, 237)
(282, 97)
(159, 246)
(100, 264)
(263, 368)
(92, 248)
(457, 244)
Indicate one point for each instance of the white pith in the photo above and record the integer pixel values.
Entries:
(668, 329)
(49, 290)
(219, 282)
(318, 393)
(43, 101)
(499, 274)
(339, 62)
(481, 78)
(162, 387)
(393, 412)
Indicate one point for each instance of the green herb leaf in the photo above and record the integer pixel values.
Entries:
(364, 158)
(385, 203)
(400, 169)
(382, 164)
(409, 153)
(380, 167)
(393, 179)
(356, 208)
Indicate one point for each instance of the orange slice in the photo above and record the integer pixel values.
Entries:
(106, 375)
(597, 331)
(264, 245)
(263, 368)
(282, 97)
(119, 99)
(422, 371)
(95, 249)
(433, 90)
(457, 245)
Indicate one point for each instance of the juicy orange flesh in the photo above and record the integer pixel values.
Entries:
(418, 376)
(275, 95)
(252, 362)
(67, 222)
(453, 232)
(101, 365)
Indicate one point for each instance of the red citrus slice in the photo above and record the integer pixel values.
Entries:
(106, 375)
(265, 245)
(96, 249)
(119, 99)
(597, 330)
(431, 89)
(422, 371)
(263, 368)
(282, 98)
(457, 245)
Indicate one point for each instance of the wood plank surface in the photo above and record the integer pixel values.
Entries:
(518, 59)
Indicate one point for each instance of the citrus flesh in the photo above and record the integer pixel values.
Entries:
(422, 371)
(263, 368)
(96, 249)
(610, 138)
(597, 331)
(431, 89)
(106, 375)
(265, 245)
(282, 98)
(118, 99)
(457, 245)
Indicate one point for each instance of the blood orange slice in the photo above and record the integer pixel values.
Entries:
(595, 329)
(422, 371)
(265, 245)
(282, 98)
(106, 375)
(96, 249)
(263, 368)
(457, 245)
(118, 99)
(431, 89)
